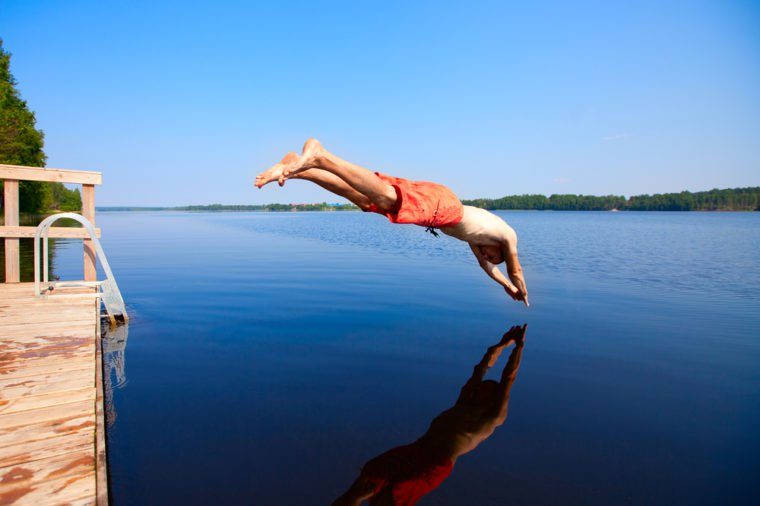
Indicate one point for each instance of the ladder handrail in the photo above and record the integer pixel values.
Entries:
(42, 232)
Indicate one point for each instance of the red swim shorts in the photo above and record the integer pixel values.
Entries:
(403, 475)
(422, 203)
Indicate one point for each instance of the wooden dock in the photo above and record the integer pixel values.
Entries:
(52, 431)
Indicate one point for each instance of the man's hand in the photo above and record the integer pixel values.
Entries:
(518, 289)
(516, 334)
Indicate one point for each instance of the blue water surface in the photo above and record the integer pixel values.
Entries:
(270, 355)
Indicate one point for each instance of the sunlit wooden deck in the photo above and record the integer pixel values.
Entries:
(52, 441)
(52, 434)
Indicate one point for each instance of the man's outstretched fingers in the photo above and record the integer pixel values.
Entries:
(512, 291)
(522, 290)
(520, 339)
(515, 333)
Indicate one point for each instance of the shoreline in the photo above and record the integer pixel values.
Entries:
(356, 210)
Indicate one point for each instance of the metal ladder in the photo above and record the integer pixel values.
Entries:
(107, 290)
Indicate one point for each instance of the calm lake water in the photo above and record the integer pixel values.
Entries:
(271, 355)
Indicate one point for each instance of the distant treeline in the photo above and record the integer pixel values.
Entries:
(736, 199)
(323, 206)
(222, 207)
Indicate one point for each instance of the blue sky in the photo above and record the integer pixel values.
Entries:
(184, 102)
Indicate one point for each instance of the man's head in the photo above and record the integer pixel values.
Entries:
(492, 253)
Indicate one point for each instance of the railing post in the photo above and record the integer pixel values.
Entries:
(88, 211)
(12, 270)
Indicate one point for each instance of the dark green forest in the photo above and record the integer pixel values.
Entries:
(271, 207)
(22, 143)
(736, 199)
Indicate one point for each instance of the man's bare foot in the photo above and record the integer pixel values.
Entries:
(274, 172)
(308, 159)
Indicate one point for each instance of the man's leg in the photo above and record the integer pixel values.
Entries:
(364, 181)
(323, 178)
(334, 184)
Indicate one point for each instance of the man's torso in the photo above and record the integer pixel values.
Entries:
(478, 227)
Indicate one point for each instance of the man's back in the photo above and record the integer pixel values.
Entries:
(480, 227)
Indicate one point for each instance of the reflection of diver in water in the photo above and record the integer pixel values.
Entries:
(404, 474)
(114, 348)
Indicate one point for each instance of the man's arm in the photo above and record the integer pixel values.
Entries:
(509, 374)
(495, 273)
(480, 370)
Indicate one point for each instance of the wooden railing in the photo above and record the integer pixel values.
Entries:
(12, 232)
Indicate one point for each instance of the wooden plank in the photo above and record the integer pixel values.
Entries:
(21, 315)
(53, 354)
(45, 363)
(47, 366)
(15, 291)
(29, 332)
(41, 311)
(71, 490)
(29, 451)
(23, 173)
(101, 458)
(30, 402)
(44, 383)
(66, 313)
(10, 298)
(10, 203)
(88, 211)
(37, 306)
(8, 330)
(55, 427)
(13, 355)
(21, 330)
(52, 480)
(24, 418)
(28, 288)
(84, 501)
(78, 303)
(18, 332)
(56, 295)
(55, 232)
(77, 462)
(63, 310)
(33, 337)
